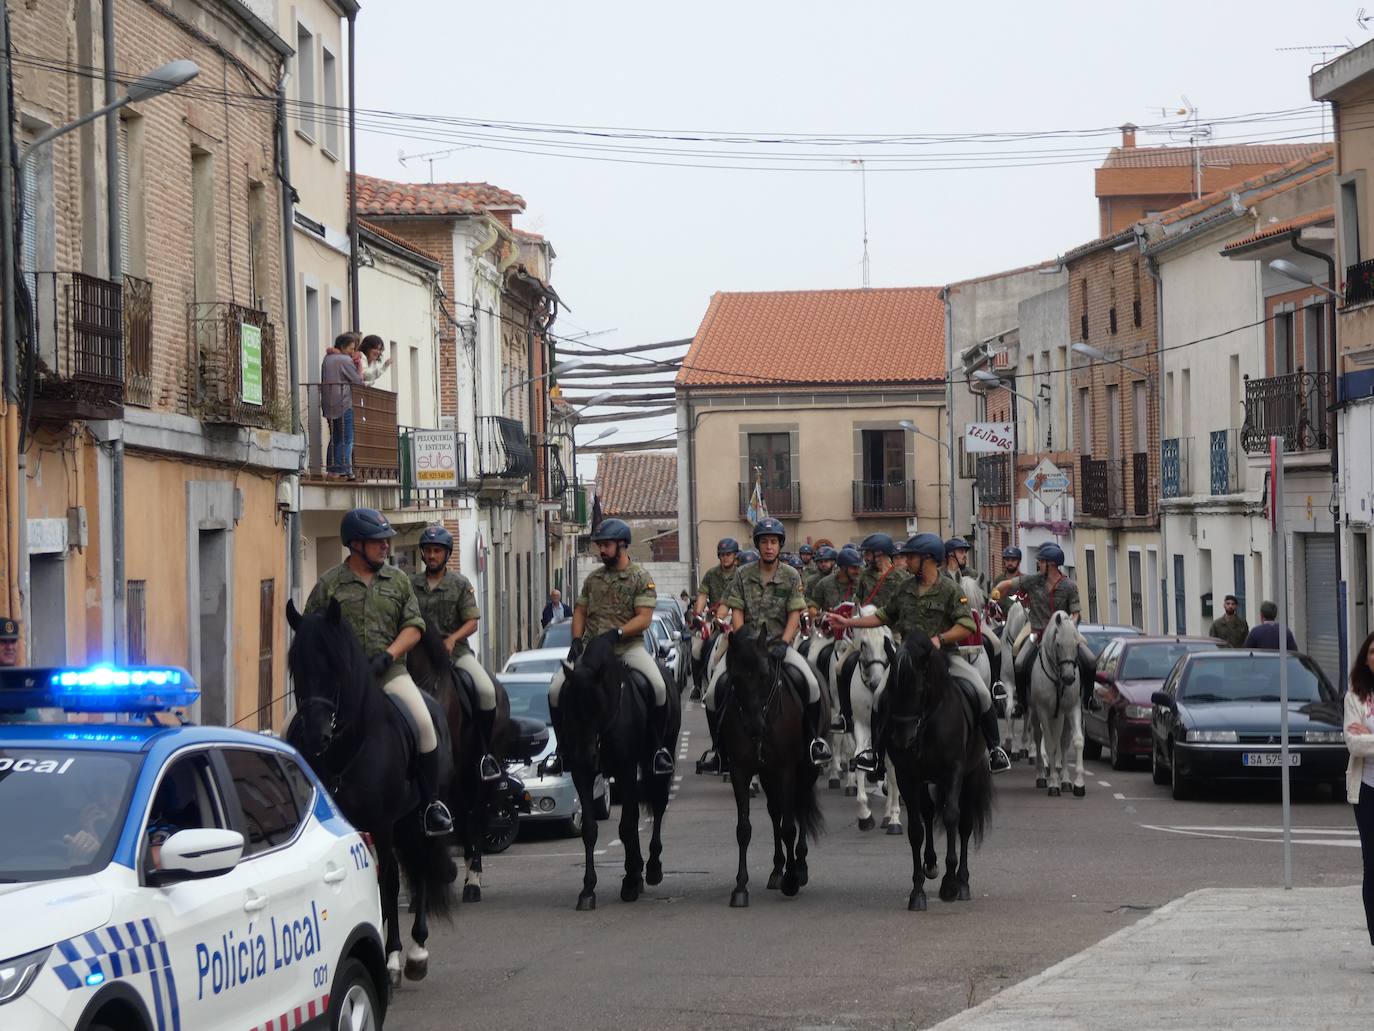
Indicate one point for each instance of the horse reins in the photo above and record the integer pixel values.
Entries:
(1058, 679)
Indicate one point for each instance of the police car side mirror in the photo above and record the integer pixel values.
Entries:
(196, 854)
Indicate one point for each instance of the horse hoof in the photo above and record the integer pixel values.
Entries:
(630, 888)
(1041, 782)
(586, 903)
(416, 969)
(851, 792)
(886, 820)
(930, 872)
(1054, 793)
(1064, 785)
(803, 874)
(790, 884)
(964, 894)
(948, 891)
(774, 881)
(917, 902)
(653, 872)
(894, 828)
(472, 893)
(866, 823)
(1079, 791)
(834, 783)
(393, 969)
(739, 899)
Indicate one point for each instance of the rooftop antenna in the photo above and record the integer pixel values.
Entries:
(1362, 19)
(863, 180)
(1323, 52)
(432, 156)
(1193, 131)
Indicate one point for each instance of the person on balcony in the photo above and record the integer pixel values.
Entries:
(372, 363)
(338, 376)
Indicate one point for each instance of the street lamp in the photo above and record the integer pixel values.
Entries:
(993, 380)
(1290, 270)
(557, 370)
(912, 428)
(1093, 354)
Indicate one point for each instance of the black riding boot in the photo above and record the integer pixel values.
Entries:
(437, 820)
(992, 734)
(710, 759)
(658, 724)
(820, 748)
(487, 767)
(870, 759)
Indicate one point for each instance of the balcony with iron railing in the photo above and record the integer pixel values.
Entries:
(879, 498)
(1292, 407)
(77, 346)
(1140, 483)
(576, 513)
(1175, 467)
(1224, 456)
(138, 341)
(503, 449)
(554, 478)
(781, 502)
(1359, 283)
(234, 366)
(992, 475)
(1102, 487)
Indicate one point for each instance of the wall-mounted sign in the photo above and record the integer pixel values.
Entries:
(1048, 483)
(250, 364)
(988, 438)
(434, 457)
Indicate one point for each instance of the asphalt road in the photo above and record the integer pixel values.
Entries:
(1053, 876)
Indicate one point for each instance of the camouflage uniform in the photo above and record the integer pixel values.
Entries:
(875, 589)
(1230, 629)
(925, 613)
(767, 604)
(448, 605)
(1043, 601)
(716, 585)
(377, 613)
(608, 601)
(829, 592)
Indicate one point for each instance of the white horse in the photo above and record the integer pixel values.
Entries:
(826, 656)
(875, 655)
(1057, 704)
(976, 655)
(1012, 641)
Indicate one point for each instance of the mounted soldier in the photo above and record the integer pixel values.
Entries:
(823, 566)
(378, 603)
(956, 560)
(619, 597)
(714, 585)
(881, 577)
(1047, 590)
(448, 602)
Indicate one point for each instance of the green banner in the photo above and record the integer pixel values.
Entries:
(250, 363)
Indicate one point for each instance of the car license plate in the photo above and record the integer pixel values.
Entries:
(1269, 759)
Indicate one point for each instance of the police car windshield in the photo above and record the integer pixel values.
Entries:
(62, 810)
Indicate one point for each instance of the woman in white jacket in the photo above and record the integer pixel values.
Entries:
(373, 365)
(1359, 775)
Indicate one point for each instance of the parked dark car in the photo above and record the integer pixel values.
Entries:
(1217, 719)
(1096, 636)
(1128, 671)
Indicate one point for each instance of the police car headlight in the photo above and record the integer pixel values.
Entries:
(18, 973)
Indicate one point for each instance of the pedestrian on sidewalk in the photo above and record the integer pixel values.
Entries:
(1266, 635)
(338, 376)
(1230, 627)
(1359, 775)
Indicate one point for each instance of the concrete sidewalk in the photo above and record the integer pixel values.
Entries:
(1216, 958)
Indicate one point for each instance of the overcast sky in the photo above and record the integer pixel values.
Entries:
(641, 248)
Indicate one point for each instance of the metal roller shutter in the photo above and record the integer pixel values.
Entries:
(1319, 605)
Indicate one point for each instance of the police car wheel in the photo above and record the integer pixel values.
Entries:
(353, 999)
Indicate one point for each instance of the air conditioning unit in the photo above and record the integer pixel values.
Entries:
(912, 525)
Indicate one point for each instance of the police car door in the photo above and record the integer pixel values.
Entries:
(189, 936)
(290, 858)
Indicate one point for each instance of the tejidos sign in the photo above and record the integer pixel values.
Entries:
(988, 437)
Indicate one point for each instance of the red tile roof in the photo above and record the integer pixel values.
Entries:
(385, 197)
(1234, 154)
(1312, 218)
(637, 485)
(832, 337)
(399, 241)
(1320, 155)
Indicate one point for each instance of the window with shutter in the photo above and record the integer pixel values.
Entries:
(125, 198)
(136, 621)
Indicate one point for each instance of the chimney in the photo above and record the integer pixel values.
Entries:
(1128, 136)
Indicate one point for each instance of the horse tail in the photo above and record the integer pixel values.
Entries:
(806, 805)
(426, 863)
(977, 800)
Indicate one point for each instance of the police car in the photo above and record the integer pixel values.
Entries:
(158, 876)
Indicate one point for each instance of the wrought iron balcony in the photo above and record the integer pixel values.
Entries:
(992, 474)
(873, 498)
(138, 341)
(1292, 407)
(574, 512)
(1175, 473)
(503, 449)
(233, 366)
(1140, 483)
(77, 346)
(1225, 462)
(555, 477)
(1359, 283)
(1103, 486)
(780, 501)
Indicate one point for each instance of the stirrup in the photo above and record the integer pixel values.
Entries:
(489, 768)
(437, 821)
(998, 760)
(838, 724)
(662, 762)
(820, 751)
(867, 760)
(709, 761)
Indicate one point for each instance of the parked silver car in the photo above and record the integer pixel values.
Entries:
(553, 798)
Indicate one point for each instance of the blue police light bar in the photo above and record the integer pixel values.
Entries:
(102, 688)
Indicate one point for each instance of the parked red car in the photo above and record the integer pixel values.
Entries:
(1128, 671)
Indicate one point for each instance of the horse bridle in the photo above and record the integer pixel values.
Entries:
(1060, 680)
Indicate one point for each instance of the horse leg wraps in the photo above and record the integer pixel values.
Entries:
(403, 689)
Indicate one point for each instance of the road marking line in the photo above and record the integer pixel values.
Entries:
(1103, 784)
(1350, 831)
(1343, 842)
(1119, 796)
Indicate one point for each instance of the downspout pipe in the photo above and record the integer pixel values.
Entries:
(15, 542)
(1152, 267)
(288, 207)
(1333, 437)
(116, 262)
(352, 172)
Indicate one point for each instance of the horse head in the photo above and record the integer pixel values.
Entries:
(585, 703)
(876, 651)
(920, 677)
(329, 675)
(1060, 647)
(751, 673)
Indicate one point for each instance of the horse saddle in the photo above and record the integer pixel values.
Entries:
(823, 660)
(847, 668)
(412, 732)
(639, 683)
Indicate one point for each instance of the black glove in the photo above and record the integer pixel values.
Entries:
(575, 650)
(778, 649)
(381, 662)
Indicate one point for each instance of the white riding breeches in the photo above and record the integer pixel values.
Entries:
(792, 659)
(404, 690)
(486, 690)
(959, 669)
(638, 660)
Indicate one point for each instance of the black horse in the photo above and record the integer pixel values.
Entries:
(933, 741)
(605, 725)
(762, 732)
(360, 746)
(471, 798)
